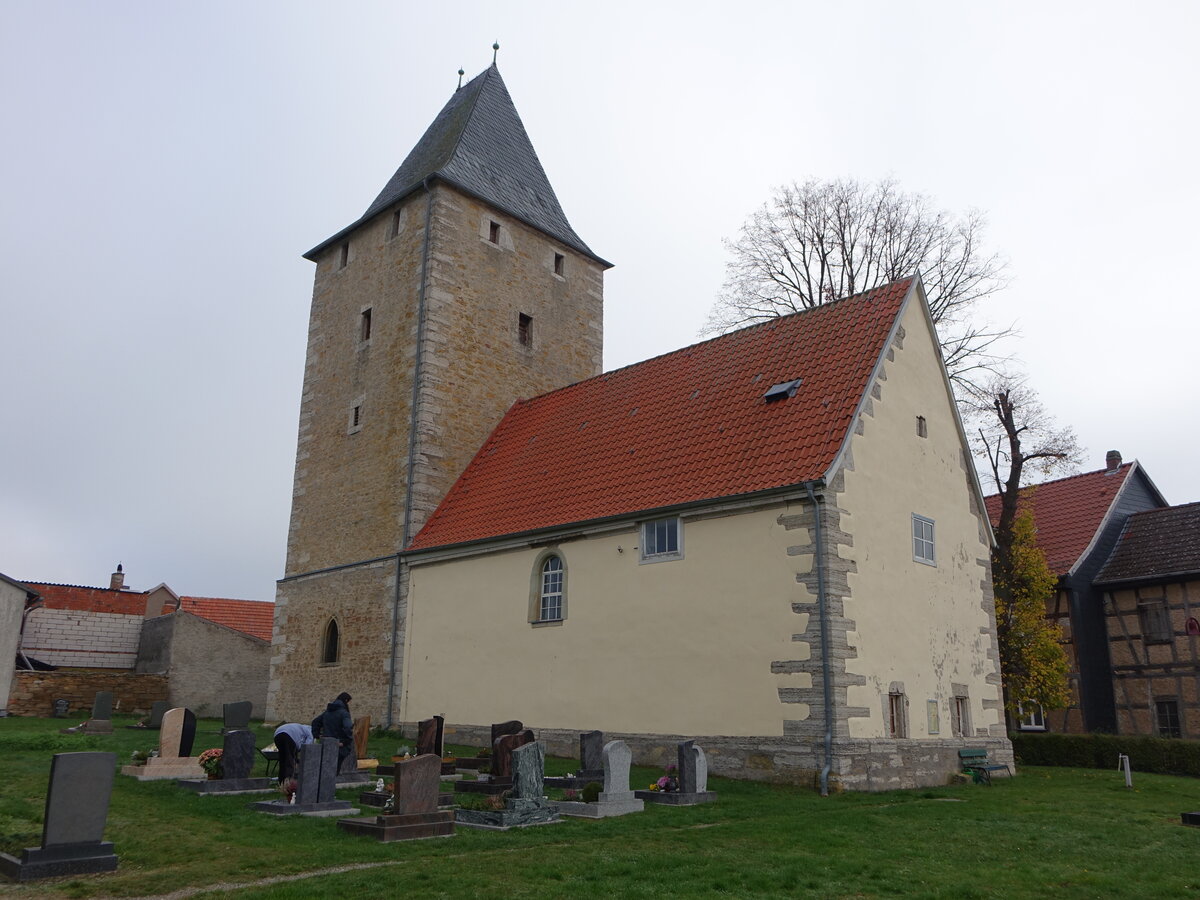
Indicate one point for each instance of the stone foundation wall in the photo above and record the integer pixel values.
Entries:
(881, 765)
(34, 693)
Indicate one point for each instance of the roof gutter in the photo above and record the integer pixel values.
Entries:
(823, 612)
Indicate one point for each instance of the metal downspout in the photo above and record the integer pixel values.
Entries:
(409, 478)
(823, 611)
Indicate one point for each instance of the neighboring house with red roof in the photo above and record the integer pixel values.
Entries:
(74, 627)
(1151, 588)
(1078, 521)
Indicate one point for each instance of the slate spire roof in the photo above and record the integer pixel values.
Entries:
(688, 427)
(479, 145)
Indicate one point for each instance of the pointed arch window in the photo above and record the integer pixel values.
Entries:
(330, 644)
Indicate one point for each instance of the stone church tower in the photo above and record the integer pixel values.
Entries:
(461, 289)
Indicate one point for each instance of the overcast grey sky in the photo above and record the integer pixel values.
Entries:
(166, 164)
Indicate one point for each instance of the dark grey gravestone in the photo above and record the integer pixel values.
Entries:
(327, 780)
(1192, 818)
(76, 812)
(237, 756)
(158, 709)
(526, 806)
(237, 715)
(61, 708)
(501, 729)
(502, 752)
(687, 767)
(187, 734)
(591, 754)
(102, 705)
(308, 774)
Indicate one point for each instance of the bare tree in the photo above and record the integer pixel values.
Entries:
(821, 240)
(1018, 438)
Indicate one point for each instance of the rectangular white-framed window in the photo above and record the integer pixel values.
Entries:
(922, 537)
(550, 607)
(1030, 716)
(662, 539)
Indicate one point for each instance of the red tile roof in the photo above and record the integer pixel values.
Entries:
(688, 426)
(90, 599)
(1068, 512)
(253, 617)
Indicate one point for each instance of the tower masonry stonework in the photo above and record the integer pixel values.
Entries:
(462, 290)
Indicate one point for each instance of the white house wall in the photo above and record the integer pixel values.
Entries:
(12, 604)
(676, 647)
(925, 630)
(65, 637)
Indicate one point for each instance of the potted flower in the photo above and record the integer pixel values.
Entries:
(287, 787)
(210, 762)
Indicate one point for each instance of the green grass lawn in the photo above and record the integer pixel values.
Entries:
(1048, 832)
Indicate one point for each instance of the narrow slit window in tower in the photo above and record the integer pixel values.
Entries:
(525, 329)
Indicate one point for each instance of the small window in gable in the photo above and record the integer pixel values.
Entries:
(662, 540)
(494, 232)
(364, 325)
(344, 255)
(330, 642)
(922, 537)
(559, 264)
(525, 329)
(922, 428)
(397, 223)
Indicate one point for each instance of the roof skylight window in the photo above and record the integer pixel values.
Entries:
(782, 391)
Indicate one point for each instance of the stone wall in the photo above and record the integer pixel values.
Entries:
(208, 665)
(874, 765)
(34, 693)
(351, 478)
(68, 637)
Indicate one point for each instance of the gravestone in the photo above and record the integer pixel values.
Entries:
(693, 780)
(316, 776)
(73, 830)
(500, 779)
(237, 762)
(101, 720)
(158, 709)
(591, 763)
(527, 804)
(362, 734)
(616, 799)
(61, 708)
(237, 715)
(174, 759)
(499, 730)
(430, 736)
(413, 812)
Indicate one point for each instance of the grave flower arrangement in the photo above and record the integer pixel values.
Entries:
(210, 762)
(287, 787)
(669, 781)
(139, 757)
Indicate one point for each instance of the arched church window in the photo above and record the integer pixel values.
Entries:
(330, 643)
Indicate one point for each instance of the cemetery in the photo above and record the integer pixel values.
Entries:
(79, 817)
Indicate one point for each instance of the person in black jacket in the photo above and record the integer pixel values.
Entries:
(335, 722)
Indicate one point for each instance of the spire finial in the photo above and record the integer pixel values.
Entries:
(495, 50)
(460, 75)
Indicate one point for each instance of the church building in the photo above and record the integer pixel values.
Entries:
(773, 542)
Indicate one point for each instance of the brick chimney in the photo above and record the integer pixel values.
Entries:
(117, 582)
(1112, 460)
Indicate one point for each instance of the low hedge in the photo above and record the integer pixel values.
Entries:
(1165, 756)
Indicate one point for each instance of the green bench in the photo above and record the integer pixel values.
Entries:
(974, 761)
